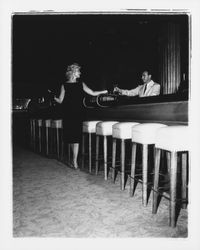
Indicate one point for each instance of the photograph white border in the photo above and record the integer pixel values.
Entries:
(7, 241)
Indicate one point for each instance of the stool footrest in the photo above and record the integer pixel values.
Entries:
(163, 192)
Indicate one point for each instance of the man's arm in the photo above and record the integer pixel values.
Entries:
(132, 92)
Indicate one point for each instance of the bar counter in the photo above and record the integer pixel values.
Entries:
(170, 110)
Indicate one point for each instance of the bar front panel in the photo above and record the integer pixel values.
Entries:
(165, 112)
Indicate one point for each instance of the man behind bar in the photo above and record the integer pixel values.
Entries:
(148, 88)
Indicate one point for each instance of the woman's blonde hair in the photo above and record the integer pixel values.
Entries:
(71, 69)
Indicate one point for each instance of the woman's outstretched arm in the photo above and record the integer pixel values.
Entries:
(61, 96)
(92, 92)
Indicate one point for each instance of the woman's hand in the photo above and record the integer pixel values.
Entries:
(102, 92)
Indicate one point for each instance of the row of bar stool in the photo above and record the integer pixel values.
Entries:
(173, 139)
(46, 136)
(147, 134)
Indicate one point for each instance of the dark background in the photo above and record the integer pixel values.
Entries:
(110, 48)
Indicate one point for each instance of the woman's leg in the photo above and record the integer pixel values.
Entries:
(75, 148)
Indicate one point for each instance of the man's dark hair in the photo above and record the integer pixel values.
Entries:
(149, 71)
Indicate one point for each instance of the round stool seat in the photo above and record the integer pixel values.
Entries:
(47, 123)
(146, 133)
(105, 128)
(173, 138)
(89, 126)
(56, 124)
(123, 130)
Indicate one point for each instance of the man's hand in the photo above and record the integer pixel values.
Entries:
(118, 90)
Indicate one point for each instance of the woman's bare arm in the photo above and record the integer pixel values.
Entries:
(61, 96)
(92, 92)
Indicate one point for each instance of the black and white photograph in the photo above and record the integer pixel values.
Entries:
(100, 125)
(79, 79)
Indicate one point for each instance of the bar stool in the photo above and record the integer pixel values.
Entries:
(33, 133)
(122, 131)
(174, 140)
(145, 135)
(47, 126)
(103, 129)
(39, 135)
(89, 128)
(56, 126)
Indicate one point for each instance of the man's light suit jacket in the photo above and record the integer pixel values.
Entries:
(152, 89)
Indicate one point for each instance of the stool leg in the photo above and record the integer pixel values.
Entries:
(156, 179)
(34, 136)
(40, 139)
(122, 163)
(173, 182)
(90, 152)
(144, 173)
(62, 144)
(114, 144)
(97, 155)
(31, 134)
(47, 141)
(51, 142)
(57, 143)
(168, 156)
(133, 164)
(184, 179)
(83, 151)
(105, 157)
(69, 152)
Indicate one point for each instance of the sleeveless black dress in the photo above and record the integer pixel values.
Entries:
(72, 109)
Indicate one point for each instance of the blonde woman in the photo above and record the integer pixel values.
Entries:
(71, 96)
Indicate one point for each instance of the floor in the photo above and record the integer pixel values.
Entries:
(50, 199)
